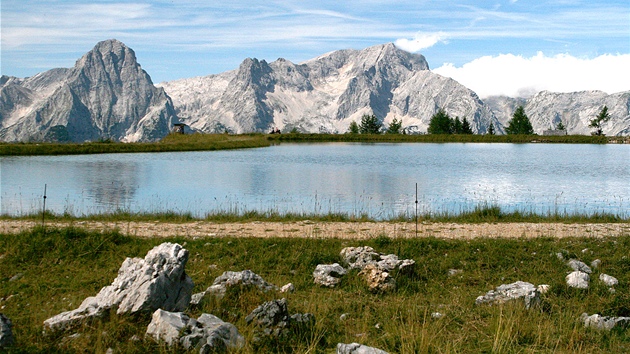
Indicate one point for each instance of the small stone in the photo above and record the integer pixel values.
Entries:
(245, 278)
(356, 348)
(543, 288)
(6, 332)
(343, 317)
(16, 277)
(596, 263)
(437, 315)
(585, 250)
(578, 280)
(452, 272)
(287, 288)
(608, 280)
(579, 265)
(604, 322)
(560, 256)
(506, 292)
(612, 290)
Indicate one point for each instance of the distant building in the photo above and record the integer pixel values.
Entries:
(179, 128)
(554, 132)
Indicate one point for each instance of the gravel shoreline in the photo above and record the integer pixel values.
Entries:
(347, 230)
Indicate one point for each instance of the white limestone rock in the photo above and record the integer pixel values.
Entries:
(604, 322)
(579, 265)
(596, 263)
(506, 292)
(328, 275)
(208, 333)
(245, 278)
(361, 257)
(577, 279)
(608, 280)
(287, 288)
(378, 280)
(356, 348)
(158, 280)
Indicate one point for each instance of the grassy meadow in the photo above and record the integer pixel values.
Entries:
(208, 142)
(46, 271)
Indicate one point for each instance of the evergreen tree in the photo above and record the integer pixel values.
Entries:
(353, 128)
(596, 123)
(560, 126)
(457, 126)
(519, 124)
(440, 123)
(491, 129)
(394, 126)
(466, 129)
(370, 125)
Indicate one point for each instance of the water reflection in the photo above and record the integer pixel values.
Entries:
(374, 179)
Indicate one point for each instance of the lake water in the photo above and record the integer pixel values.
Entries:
(375, 179)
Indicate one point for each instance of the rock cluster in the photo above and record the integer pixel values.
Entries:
(159, 281)
(272, 319)
(6, 332)
(229, 279)
(356, 348)
(374, 267)
(208, 333)
(506, 292)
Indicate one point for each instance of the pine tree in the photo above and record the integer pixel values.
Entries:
(457, 126)
(370, 125)
(353, 128)
(466, 129)
(440, 123)
(394, 126)
(520, 124)
(560, 126)
(491, 129)
(596, 123)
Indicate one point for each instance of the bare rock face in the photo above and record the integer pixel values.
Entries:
(328, 275)
(6, 332)
(142, 285)
(325, 94)
(577, 279)
(229, 279)
(208, 333)
(574, 109)
(507, 292)
(356, 348)
(106, 95)
(604, 322)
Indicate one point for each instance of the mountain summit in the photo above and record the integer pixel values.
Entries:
(324, 94)
(106, 95)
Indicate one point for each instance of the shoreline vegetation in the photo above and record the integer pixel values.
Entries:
(483, 213)
(209, 142)
(45, 271)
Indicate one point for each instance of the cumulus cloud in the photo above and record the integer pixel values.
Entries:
(518, 76)
(420, 41)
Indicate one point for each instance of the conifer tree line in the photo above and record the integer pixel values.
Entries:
(442, 123)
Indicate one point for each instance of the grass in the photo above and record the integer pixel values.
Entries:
(483, 213)
(172, 142)
(206, 142)
(58, 268)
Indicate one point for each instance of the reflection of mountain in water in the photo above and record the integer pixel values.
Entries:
(111, 184)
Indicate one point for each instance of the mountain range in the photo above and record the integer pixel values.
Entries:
(107, 95)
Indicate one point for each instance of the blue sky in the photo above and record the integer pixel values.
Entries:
(479, 43)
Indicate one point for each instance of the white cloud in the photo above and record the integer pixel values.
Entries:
(513, 75)
(420, 41)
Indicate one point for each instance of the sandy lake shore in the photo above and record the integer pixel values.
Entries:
(348, 230)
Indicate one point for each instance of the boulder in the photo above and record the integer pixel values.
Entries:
(506, 292)
(378, 280)
(577, 279)
(6, 332)
(208, 333)
(579, 265)
(608, 280)
(356, 348)
(361, 257)
(604, 322)
(328, 275)
(229, 279)
(159, 281)
(272, 319)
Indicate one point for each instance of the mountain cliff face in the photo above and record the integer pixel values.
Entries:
(325, 94)
(106, 95)
(576, 109)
